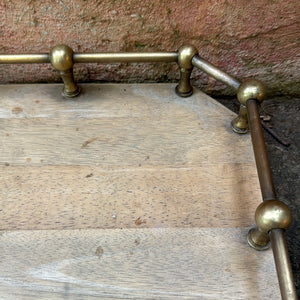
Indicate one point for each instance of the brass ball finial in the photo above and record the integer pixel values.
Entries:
(61, 57)
(273, 214)
(251, 89)
(185, 56)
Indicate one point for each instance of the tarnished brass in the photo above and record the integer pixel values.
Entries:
(260, 152)
(272, 217)
(24, 58)
(215, 72)
(240, 123)
(61, 58)
(271, 214)
(283, 265)
(125, 57)
(185, 56)
(258, 240)
(249, 89)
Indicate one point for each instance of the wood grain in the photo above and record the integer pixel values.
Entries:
(112, 127)
(151, 184)
(121, 156)
(52, 197)
(152, 263)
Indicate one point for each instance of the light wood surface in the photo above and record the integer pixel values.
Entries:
(140, 194)
(190, 263)
(121, 156)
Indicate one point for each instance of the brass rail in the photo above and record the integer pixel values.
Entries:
(125, 57)
(215, 72)
(24, 58)
(272, 217)
(92, 57)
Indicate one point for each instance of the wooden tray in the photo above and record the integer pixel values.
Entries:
(127, 191)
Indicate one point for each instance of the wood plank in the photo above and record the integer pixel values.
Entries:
(110, 128)
(207, 263)
(121, 156)
(56, 197)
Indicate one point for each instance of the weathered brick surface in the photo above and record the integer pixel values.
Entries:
(246, 38)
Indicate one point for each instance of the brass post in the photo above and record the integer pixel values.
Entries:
(240, 123)
(61, 58)
(185, 56)
(272, 218)
(269, 215)
(249, 89)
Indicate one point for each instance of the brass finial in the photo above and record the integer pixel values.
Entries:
(61, 58)
(249, 89)
(271, 214)
(185, 56)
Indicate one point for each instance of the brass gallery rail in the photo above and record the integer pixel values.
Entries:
(272, 217)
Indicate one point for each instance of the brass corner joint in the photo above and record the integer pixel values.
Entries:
(269, 215)
(185, 56)
(61, 58)
(249, 89)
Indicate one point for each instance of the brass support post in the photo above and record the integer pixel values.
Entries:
(240, 123)
(250, 89)
(185, 56)
(61, 58)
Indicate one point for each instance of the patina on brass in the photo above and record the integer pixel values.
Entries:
(125, 57)
(272, 217)
(215, 72)
(61, 58)
(24, 58)
(240, 123)
(185, 56)
(249, 89)
(270, 214)
(283, 265)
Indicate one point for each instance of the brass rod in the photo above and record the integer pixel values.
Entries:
(283, 266)
(24, 58)
(284, 271)
(260, 152)
(125, 57)
(93, 57)
(215, 72)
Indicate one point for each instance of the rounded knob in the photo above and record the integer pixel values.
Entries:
(251, 89)
(273, 214)
(185, 56)
(61, 57)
